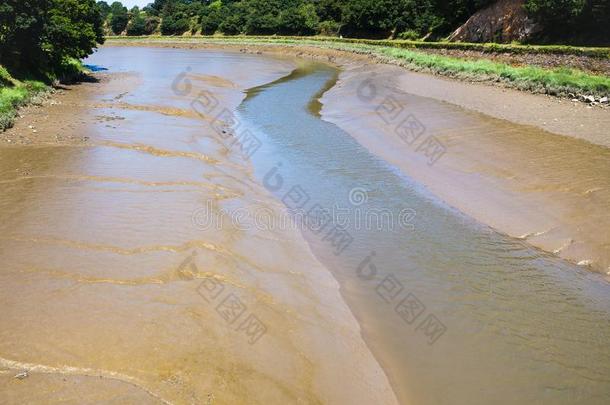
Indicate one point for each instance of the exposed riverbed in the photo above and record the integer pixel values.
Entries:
(120, 245)
(109, 280)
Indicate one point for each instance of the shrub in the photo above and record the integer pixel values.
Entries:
(151, 24)
(174, 25)
(329, 28)
(409, 35)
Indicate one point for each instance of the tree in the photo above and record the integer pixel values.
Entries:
(262, 16)
(211, 17)
(22, 26)
(232, 25)
(556, 11)
(171, 26)
(104, 9)
(573, 20)
(74, 29)
(301, 20)
(310, 17)
(583, 21)
(119, 18)
(329, 28)
(329, 10)
(417, 18)
(155, 8)
(290, 22)
(137, 25)
(234, 20)
(369, 18)
(41, 35)
(151, 24)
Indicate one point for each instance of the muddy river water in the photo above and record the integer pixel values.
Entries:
(107, 250)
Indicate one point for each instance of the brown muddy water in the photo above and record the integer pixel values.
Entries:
(103, 247)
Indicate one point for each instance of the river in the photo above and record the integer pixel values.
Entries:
(521, 326)
(453, 311)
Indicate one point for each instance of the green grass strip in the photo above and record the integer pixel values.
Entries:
(596, 52)
(13, 94)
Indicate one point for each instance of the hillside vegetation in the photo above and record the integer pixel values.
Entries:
(558, 21)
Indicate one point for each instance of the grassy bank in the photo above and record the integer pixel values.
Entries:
(15, 93)
(560, 81)
(595, 52)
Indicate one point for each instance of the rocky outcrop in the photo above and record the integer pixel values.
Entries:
(502, 21)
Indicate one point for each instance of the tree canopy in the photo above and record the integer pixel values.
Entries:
(434, 19)
(40, 35)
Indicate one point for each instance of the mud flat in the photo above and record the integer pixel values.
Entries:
(534, 167)
(113, 287)
(111, 268)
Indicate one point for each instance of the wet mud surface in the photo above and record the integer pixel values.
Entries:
(111, 288)
(116, 287)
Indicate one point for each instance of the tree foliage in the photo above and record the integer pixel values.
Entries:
(137, 24)
(104, 9)
(573, 20)
(118, 17)
(41, 35)
(25, 24)
(588, 20)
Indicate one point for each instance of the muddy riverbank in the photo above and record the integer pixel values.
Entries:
(108, 254)
(110, 281)
(545, 181)
(550, 189)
